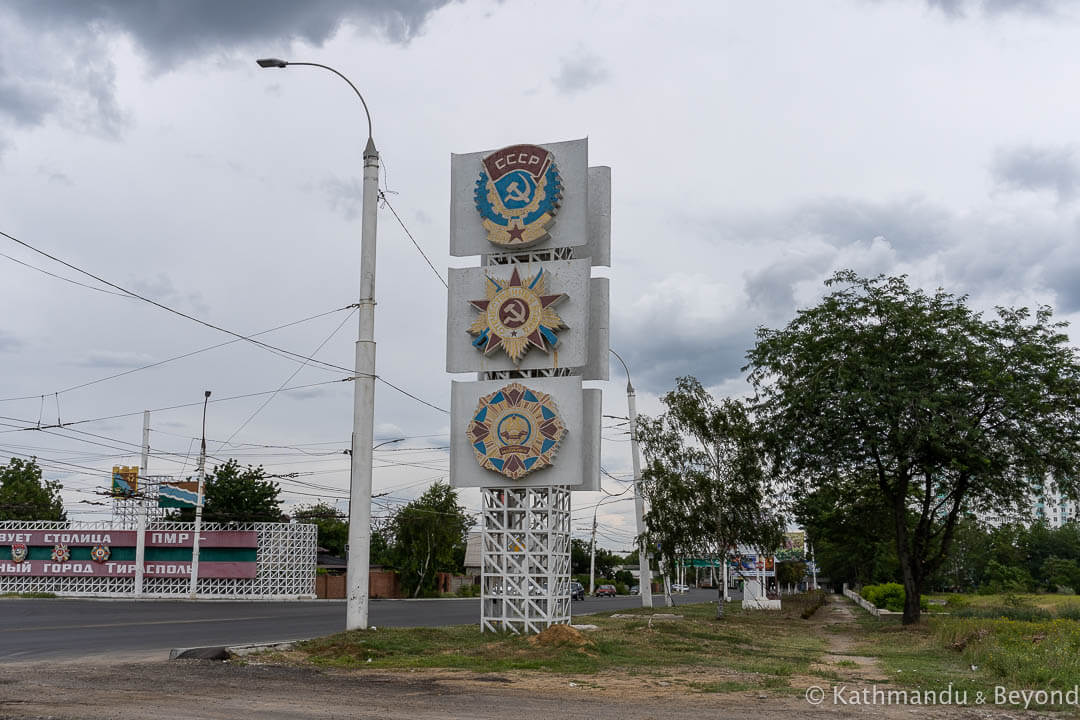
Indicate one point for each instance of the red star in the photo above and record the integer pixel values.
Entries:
(515, 232)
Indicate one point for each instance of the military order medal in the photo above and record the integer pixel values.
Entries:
(61, 553)
(518, 194)
(100, 553)
(515, 431)
(18, 552)
(515, 316)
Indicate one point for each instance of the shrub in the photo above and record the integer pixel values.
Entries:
(890, 596)
(620, 588)
(467, 591)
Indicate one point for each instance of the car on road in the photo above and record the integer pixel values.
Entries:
(577, 591)
(635, 590)
(679, 587)
(605, 591)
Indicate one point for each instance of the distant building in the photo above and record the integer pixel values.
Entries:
(1053, 507)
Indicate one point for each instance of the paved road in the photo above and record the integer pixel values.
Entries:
(72, 628)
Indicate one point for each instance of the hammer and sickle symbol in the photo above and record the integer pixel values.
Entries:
(515, 311)
(515, 192)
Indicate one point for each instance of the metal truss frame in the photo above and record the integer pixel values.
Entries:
(525, 566)
(285, 566)
(533, 256)
(126, 510)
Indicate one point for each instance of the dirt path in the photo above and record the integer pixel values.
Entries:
(206, 690)
(836, 620)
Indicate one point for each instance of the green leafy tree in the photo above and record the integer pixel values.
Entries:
(1060, 572)
(235, 494)
(332, 525)
(849, 528)
(936, 408)
(25, 495)
(704, 479)
(790, 573)
(429, 534)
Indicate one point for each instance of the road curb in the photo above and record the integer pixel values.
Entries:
(224, 652)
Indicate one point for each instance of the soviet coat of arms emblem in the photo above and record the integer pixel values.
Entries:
(516, 430)
(518, 194)
(18, 552)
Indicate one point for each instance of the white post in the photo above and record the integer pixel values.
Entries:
(592, 555)
(813, 566)
(140, 553)
(356, 611)
(192, 590)
(727, 598)
(645, 574)
(144, 466)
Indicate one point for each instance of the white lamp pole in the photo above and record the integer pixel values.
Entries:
(356, 613)
(644, 573)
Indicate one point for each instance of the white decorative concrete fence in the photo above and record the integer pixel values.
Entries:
(861, 601)
(284, 562)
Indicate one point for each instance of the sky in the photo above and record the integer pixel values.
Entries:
(755, 149)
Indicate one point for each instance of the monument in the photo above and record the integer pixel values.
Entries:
(532, 323)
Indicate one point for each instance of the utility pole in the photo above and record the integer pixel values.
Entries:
(644, 572)
(140, 518)
(199, 505)
(144, 466)
(359, 559)
(592, 554)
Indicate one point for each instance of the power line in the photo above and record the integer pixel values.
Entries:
(266, 346)
(61, 277)
(382, 196)
(155, 303)
(286, 381)
(201, 350)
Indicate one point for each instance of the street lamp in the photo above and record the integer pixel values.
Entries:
(356, 613)
(644, 573)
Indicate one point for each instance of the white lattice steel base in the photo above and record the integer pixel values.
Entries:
(285, 566)
(525, 583)
(126, 511)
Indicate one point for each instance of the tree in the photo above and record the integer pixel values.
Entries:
(790, 573)
(24, 495)
(849, 530)
(922, 400)
(333, 528)
(704, 479)
(235, 494)
(429, 534)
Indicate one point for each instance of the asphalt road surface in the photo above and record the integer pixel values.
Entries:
(68, 629)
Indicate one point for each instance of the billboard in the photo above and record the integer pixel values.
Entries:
(111, 553)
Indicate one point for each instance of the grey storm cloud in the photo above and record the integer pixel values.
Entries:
(961, 8)
(54, 54)
(989, 257)
(168, 30)
(1038, 168)
(580, 72)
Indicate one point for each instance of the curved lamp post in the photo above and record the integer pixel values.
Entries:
(644, 573)
(356, 614)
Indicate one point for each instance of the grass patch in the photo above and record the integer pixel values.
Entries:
(28, 595)
(943, 650)
(757, 649)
